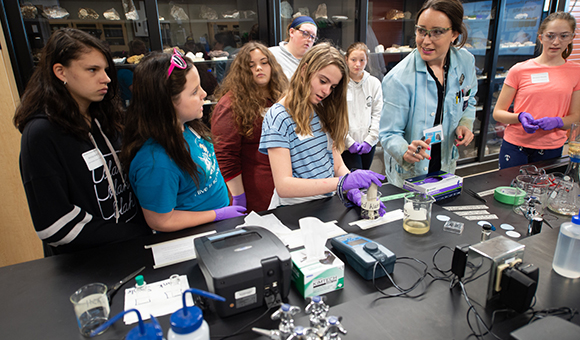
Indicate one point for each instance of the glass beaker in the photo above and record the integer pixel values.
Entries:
(563, 197)
(91, 307)
(417, 212)
(536, 188)
(369, 208)
(574, 142)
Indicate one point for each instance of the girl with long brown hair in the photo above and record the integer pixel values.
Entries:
(304, 133)
(255, 81)
(173, 168)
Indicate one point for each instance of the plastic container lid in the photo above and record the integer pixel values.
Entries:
(576, 219)
(152, 332)
(183, 322)
(139, 279)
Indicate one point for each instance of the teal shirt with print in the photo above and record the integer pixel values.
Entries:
(161, 186)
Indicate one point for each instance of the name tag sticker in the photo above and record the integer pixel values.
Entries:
(540, 78)
(349, 96)
(303, 137)
(93, 159)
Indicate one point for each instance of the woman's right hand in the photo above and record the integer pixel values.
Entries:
(416, 151)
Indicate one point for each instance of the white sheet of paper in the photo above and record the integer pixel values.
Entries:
(175, 251)
(466, 207)
(471, 212)
(481, 217)
(163, 300)
(386, 218)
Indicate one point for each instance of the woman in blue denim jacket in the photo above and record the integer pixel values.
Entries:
(432, 88)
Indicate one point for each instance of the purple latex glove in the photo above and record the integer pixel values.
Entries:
(239, 200)
(361, 179)
(355, 196)
(355, 148)
(528, 122)
(365, 148)
(229, 212)
(549, 123)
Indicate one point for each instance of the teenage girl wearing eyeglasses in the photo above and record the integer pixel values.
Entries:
(431, 91)
(545, 92)
(301, 36)
(71, 122)
(365, 102)
(303, 133)
(173, 168)
(254, 83)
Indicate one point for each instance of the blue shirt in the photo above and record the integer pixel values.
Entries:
(409, 107)
(311, 156)
(161, 186)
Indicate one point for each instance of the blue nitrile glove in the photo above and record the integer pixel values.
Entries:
(528, 122)
(240, 200)
(365, 148)
(229, 212)
(549, 123)
(354, 148)
(361, 179)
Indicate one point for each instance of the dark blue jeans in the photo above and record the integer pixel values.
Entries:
(356, 161)
(513, 155)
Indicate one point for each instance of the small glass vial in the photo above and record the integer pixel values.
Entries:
(141, 291)
(485, 232)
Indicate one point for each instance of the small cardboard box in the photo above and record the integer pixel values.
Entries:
(317, 277)
(439, 184)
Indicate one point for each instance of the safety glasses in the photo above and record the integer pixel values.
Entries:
(176, 61)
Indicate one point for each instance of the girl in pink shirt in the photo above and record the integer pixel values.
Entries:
(545, 92)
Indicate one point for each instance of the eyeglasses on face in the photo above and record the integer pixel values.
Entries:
(434, 33)
(307, 35)
(566, 36)
(176, 61)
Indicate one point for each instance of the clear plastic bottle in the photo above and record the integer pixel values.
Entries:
(566, 257)
(141, 291)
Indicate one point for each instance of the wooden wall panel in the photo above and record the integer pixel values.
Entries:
(18, 241)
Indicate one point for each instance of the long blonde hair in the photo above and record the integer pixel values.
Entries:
(332, 111)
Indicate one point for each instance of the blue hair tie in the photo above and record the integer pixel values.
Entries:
(301, 20)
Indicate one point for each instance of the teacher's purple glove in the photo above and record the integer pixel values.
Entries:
(365, 148)
(229, 212)
(528, 122)
(355, 196)
(361, 179)
(239, 200)
(549, 123)
(355, 148)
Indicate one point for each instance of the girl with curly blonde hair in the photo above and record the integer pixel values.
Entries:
(255, 81)
(304, 134)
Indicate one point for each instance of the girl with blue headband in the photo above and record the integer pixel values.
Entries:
(301, 36)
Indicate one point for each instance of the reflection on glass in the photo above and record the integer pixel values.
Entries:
(335, 19)
(117, 23)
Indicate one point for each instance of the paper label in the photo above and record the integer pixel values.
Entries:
(540, 78)
(93, 159)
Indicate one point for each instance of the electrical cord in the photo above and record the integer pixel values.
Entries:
(239, 331)
(477, 317)
(536, 315)
(402, 291)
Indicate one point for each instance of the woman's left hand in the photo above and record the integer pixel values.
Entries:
(464, 136)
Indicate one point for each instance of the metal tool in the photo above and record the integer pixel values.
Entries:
(474, 194)
(113, 289)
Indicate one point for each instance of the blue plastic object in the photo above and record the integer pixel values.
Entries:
(144, 331)
(189, 318)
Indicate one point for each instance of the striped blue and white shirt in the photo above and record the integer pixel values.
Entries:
(311, 156)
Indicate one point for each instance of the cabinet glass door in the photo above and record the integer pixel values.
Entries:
(335, 19)
(118, 23)
(517, 39)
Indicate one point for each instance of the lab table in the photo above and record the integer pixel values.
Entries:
(35, 295)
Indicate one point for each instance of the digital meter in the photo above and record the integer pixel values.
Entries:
(362, 254)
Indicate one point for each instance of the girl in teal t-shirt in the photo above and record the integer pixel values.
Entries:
(173, 168)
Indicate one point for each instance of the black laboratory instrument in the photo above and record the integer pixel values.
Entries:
(363, 254)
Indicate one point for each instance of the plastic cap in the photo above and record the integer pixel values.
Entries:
(186, 323)
(316, 299)
(333, 320)
(285, 307)
(153, 331)
(576, 219)
(140, 280)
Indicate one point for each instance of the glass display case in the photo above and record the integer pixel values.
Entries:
(337, 21)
